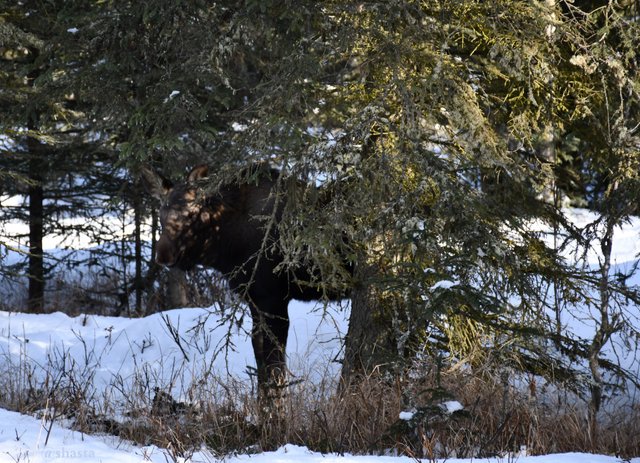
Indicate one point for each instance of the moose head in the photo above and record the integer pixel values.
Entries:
(186, 216)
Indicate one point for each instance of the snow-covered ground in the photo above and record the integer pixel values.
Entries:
(117, 356)
(170, 350)
(165, 350)
(111, 350)
(22, 439)
(112, 353)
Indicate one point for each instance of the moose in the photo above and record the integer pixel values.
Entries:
(235, 232)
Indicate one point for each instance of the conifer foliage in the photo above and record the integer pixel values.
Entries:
(439, 142)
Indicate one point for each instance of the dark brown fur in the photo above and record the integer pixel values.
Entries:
(235, 232)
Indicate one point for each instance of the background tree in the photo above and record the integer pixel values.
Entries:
(433, 136)
(35, 113)
(53, 154)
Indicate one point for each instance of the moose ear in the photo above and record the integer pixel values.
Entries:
(155, 184)
(197, 173)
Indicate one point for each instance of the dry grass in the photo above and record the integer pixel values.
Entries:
(362, 418)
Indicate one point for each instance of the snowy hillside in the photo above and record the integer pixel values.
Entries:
(169, 348)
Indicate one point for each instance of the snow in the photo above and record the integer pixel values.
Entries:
(626, 246)
(119, 348)
(111, 354)
(449, 407)
(174, 347)
(406, 416)
(25, 439)
(236, 126)
(443, 284)
(112, 351)
(452, 406)
(172, 95)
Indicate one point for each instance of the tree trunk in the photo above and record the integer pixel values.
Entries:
(35, 301)
(367, 340)
(138, 281)
(604, 329)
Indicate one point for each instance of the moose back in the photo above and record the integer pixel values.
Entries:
(235, 232)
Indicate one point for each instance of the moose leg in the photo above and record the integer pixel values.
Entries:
(269, 339)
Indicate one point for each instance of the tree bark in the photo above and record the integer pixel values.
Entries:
(138, 280)
(35, 300)
(367, 341)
